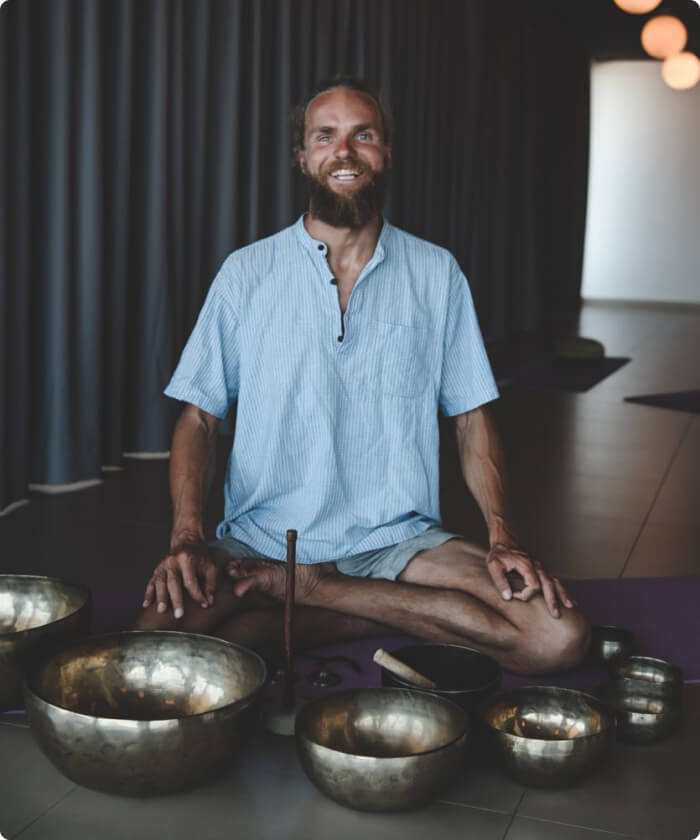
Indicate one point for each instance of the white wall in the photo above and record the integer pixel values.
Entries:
(643, 217)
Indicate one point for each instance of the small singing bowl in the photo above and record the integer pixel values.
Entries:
(655, 672)
(381, 749)
(641, 718)
(609, 644)
(35, 611)
(462, 674)
(143, 712)
(547, 736)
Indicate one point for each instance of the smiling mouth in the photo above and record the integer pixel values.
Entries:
(346, 175)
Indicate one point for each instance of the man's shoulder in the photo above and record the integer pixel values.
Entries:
(262, 250)
(414, 246)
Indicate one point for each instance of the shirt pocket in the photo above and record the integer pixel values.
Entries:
(401, 359)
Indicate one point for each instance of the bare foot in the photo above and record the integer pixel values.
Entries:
(270, 577)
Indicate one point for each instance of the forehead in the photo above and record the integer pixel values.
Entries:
(342, 105)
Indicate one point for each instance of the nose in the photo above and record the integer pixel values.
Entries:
(343, 147)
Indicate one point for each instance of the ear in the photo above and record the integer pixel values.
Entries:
(387, 155)
(301, 160)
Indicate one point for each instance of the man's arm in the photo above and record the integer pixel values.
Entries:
(483, 467)
(192, 461)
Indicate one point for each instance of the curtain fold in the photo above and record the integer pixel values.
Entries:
(143, 140)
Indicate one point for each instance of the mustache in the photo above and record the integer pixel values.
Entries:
(348, 163)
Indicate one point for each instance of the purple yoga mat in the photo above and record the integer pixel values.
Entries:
(661, 612)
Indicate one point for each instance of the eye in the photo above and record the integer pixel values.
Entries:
(364, 135)
(324, 138)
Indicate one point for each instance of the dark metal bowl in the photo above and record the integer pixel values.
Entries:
(34, 611)
(145, 712)
(547, 736)
(381, 749)
(609, 644)
(462, 674)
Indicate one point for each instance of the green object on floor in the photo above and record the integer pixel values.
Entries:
(576, 347)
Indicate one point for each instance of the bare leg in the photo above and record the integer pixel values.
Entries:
(445, 594)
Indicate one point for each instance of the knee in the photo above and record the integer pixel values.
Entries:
(151, 619)
(556, 644)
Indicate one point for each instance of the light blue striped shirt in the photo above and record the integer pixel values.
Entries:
(335, 438)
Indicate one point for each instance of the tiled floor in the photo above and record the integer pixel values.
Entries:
(601, 488)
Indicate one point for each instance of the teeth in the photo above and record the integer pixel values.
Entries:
(345, 173)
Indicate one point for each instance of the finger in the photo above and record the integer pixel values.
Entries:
(550, 596)
(191, 583)
(161, 594)
(244, 585)
(564, 596)
(148, 594)
(235, 568)
(530, 574)
(175, 592)
(210, 582)
(499, 578)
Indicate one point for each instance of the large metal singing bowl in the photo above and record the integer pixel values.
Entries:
(388, 749)
(33, 611)
(668, 678)
(143, 712)
(548, 736)
(643, 718)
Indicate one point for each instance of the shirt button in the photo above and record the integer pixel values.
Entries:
(340, 338)
(320, 247)
(334, 282)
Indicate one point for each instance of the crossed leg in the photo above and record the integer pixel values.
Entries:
(445, 594)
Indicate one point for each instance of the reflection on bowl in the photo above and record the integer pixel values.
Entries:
(34, 611)
(609, 644)
(642, 719)
(142, 712)
(548, 736)
(381, 749)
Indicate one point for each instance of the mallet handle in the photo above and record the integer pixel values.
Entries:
(400, 669)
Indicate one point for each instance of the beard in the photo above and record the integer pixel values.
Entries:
(353, 210)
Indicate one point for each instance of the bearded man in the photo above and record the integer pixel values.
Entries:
(339, 339)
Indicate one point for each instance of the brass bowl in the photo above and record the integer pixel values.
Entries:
(381, 749)
(143, 712)
(35, 611)
(462, 674)
(643, 718)
(547, 736)
(658, 673)
(609, 644)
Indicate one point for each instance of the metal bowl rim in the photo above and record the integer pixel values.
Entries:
(317, 701)
(85, 590)
(607, 715)
(447, 692)
(31, 675)
(677, 670)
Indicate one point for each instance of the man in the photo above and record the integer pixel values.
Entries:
(339, 338)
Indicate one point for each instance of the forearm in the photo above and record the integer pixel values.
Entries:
(484, 470)
(192, 462)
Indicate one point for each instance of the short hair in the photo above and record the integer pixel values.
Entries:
(343, 81)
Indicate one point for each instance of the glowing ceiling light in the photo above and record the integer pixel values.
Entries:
(638, 7)
(681, 71)
(663, 36)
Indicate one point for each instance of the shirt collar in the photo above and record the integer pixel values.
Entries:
(316, 246)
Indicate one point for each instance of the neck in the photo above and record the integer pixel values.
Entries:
(344, 243)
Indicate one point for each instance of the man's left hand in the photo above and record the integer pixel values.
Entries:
(503, 560)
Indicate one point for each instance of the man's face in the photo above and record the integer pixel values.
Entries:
(345, 159)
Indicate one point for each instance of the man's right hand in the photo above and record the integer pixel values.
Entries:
(187, 563)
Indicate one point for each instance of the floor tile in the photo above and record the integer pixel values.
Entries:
(644, 790)
(29, 784)
(665, 550)
(529, 829)
(254, 805)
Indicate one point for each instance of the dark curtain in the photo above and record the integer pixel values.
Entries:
(143, 140)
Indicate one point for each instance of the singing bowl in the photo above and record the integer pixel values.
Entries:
(143, 712)
(655, 672)
(462, 674)
(387, 749)
(547, 736)
(643, 718)
(610, 644)
(35, 611)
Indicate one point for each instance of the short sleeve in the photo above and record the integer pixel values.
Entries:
(466, 380)
(207, 374)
